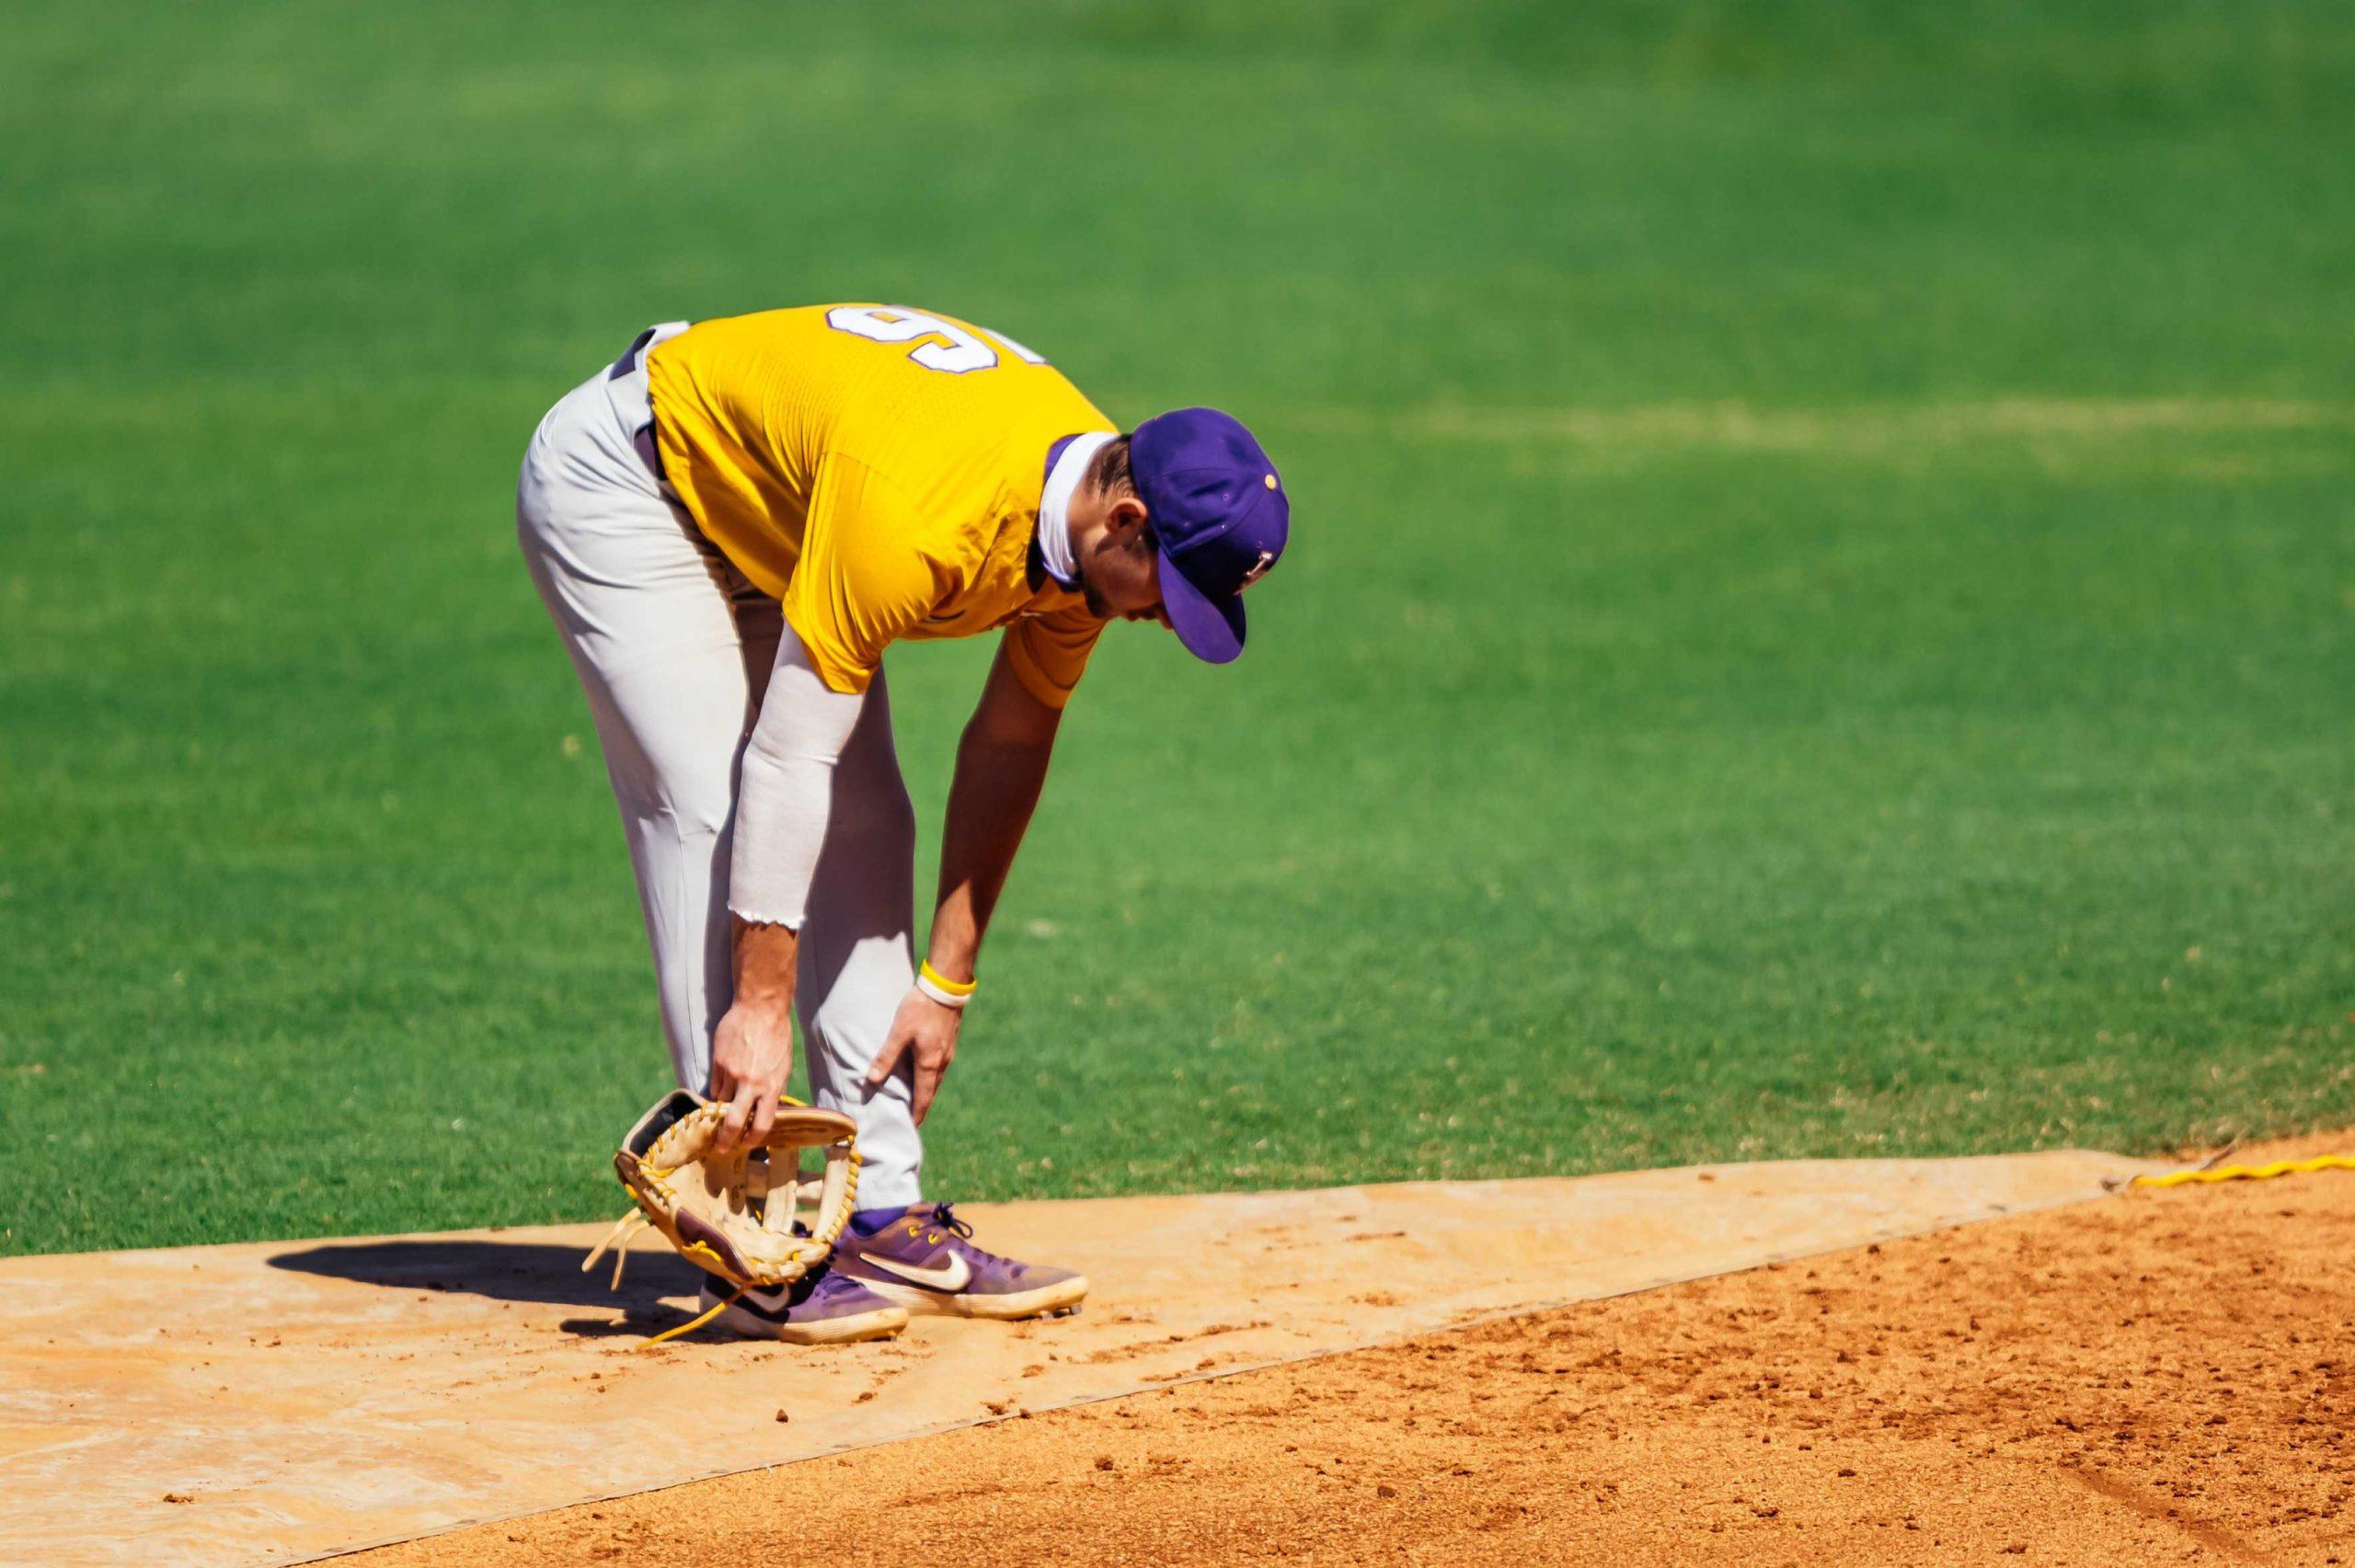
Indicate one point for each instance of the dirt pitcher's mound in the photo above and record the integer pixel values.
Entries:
(2167, 1378)
(304, 1398)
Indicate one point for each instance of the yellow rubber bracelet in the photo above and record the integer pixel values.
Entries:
(954, 988)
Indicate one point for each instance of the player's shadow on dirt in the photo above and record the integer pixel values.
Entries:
(510, 1271)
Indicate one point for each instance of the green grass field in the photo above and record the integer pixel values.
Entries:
(1822, 620)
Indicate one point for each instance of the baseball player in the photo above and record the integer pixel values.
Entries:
(729, 524)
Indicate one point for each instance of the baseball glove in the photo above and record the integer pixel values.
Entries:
(739, 1216)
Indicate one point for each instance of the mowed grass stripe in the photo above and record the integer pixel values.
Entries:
(1862, 429)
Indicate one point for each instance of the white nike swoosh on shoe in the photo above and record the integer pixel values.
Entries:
(770, 1301)
(952, 1275)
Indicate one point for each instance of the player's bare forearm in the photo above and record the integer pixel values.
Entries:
(1001, 768)
(751, 1047)
(989, 808)
(765, 957)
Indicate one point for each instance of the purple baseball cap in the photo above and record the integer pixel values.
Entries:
(1220, 516)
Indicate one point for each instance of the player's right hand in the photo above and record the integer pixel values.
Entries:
(751, 1056)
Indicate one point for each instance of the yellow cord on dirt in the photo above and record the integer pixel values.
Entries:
(2249, 1173)
(697, 1320)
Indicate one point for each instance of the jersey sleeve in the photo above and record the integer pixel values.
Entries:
(862, 578)
(1048, 652)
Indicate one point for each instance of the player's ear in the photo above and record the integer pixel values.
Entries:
(1124, 518)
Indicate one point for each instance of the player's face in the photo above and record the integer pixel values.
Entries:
(1120, 569)
(1124, 586)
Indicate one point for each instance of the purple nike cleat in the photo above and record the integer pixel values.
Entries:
(823, 1307)
(926, 1260)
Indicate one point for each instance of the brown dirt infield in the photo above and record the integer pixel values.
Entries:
(2165, 1377)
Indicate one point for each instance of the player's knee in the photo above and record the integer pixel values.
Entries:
(700, 808)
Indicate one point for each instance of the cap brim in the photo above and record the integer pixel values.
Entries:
(1211, 629)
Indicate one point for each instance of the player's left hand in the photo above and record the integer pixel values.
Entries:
(925, 1033)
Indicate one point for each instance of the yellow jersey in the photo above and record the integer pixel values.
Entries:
(878, 471)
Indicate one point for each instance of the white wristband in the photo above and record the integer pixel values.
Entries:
(941, 994)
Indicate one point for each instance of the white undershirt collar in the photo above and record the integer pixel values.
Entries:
(1054, 505)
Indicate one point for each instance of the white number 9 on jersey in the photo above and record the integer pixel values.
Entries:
(956, 351)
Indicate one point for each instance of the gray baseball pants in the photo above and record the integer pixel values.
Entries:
(673, 648)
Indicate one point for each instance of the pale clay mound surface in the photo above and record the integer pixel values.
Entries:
(305, 1398)
(2165, 1377)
